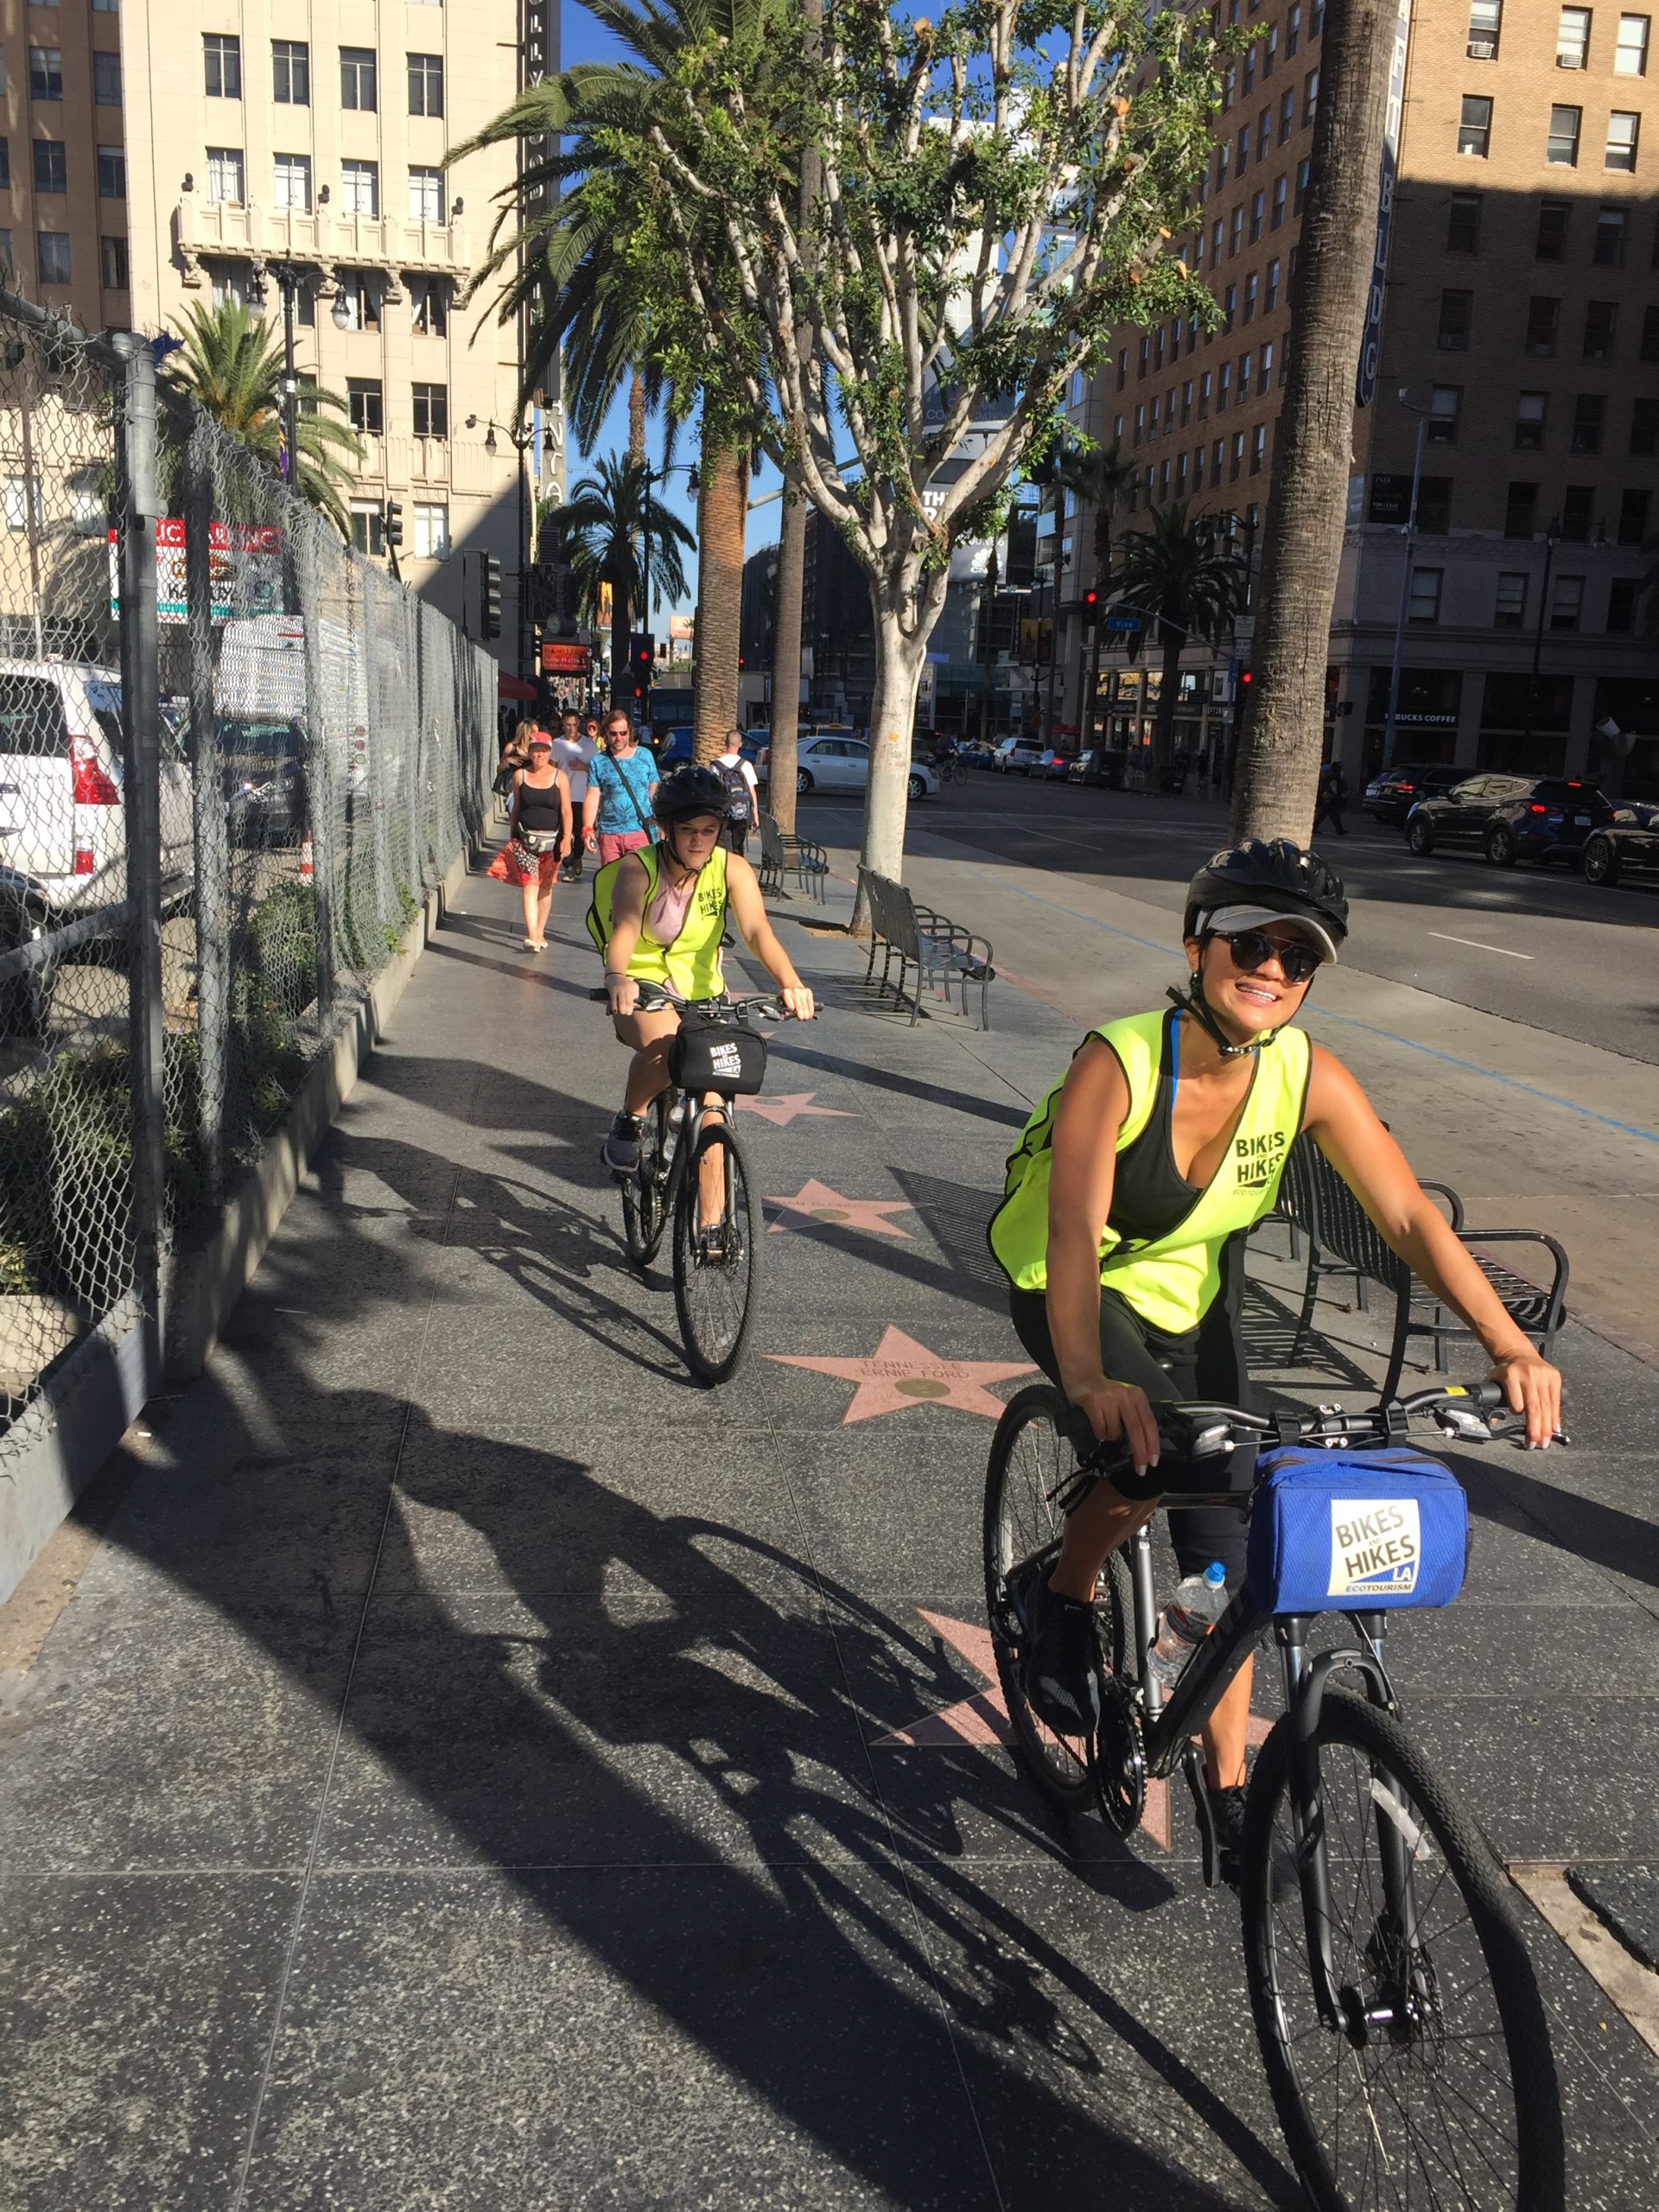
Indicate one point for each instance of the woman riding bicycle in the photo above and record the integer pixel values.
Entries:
(1122, 1227)
(660, 914)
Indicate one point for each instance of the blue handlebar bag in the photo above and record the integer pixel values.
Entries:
(1355, 1531)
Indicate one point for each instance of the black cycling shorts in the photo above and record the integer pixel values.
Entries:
(1207, 1362)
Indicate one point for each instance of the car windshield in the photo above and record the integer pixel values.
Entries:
(31, 718)
(1558, 793)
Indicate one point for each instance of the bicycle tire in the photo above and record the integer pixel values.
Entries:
(643, 1215)
(1031, 1454)
(1504, 2110)
(716, 1299)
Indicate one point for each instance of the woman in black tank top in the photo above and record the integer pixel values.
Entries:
(540, 831)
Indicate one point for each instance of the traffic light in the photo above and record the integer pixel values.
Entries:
(643, 653)
(1090, 599)
(489, 596)
(394, 524)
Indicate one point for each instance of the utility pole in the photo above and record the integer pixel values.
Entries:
(1422, 413)
(1552, 537)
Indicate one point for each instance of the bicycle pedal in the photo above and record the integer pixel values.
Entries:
(1209, 1841)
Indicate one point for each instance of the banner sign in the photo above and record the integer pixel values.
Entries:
(245, 567)
(561, 658)
(1370, 344)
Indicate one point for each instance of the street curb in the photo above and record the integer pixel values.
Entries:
(203, 1284)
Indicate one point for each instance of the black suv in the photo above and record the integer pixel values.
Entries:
(1510, 817)
(1391, 796)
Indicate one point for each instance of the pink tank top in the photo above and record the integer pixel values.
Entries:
(665, 915)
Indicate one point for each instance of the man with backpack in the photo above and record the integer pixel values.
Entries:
(742, 789)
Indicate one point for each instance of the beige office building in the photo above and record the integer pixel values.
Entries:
(63, 160)
(1520, 329)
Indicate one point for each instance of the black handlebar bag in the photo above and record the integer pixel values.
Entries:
(709, 1053)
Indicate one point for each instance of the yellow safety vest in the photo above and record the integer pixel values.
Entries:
(1171, 1281)
(690, 966)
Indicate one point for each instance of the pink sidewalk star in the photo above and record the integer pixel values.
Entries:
(781, 1109)
(902, 1373)
(816, 1201)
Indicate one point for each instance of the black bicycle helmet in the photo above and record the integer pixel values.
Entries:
(685, 791)
(1279, 877)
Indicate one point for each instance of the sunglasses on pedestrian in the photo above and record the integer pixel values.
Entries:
(1251, 949)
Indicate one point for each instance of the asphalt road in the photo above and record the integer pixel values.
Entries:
(1534, 945)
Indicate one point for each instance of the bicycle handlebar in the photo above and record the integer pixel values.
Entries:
(766, 1006)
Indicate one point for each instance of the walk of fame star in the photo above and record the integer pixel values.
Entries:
(783, 1107)
(816, 1201)
(902, 1373)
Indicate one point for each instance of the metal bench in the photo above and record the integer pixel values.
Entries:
(778, 853)
(1343, 1239)
(937, 948)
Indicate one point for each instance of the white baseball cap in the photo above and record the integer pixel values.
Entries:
(1224, 920)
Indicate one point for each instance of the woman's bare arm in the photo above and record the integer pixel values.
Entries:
(627, 916)
(749, 912)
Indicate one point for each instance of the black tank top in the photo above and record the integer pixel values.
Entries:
(539, 810)
(1150, 1196)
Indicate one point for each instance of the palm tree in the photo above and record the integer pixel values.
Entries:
(230, 363)
(1181, 575)
(1097, 479)
(610, 531)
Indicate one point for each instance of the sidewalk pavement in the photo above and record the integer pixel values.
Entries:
(478, 1767)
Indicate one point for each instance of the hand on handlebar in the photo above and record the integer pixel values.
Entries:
(622, 993)
(1531, 1387)
(798, 1003)
(1121, 1413)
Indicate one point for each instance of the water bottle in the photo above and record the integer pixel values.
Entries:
(1194, 1611)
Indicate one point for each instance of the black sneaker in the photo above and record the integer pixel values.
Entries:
(620, 1150)
(1061, 1658)
(1227, 1818)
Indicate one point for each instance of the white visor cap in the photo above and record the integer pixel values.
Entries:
(1223, 920)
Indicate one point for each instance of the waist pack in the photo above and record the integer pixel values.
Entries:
(708, 1054)
(537, 842)
(1357, 1531)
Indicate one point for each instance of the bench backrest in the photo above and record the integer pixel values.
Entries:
(893, 916)
(1314, 1194)
(771, 842)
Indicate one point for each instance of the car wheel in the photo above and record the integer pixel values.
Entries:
(1419, 837)
(803, 782)
(1500, 845)
(1601, 860)
(919, 787)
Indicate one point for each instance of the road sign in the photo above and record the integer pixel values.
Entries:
(1127, 622)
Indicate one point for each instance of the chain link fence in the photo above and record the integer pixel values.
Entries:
(235, 757)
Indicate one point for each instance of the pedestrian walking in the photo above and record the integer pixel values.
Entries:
(743, 787)
(512, 757)
(621, 788)
(539, 829)
(572, 753)
(1334, 797)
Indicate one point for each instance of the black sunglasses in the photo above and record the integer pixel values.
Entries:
(1251, 949)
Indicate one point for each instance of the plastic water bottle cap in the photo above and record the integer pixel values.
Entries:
(1215, 1574)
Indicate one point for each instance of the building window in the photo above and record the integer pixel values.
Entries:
(1485, 20)
(1510, 612)
(1236, 458)
(1521, 510)
(363, 399)
(291, 180)
(1562, 150)
(425, 195)
(112, 264)
(358, 86)
(1444, 406)
(1566, 603)
(1270, 299)
(1612, 226)
(46, 72)
(1650, 350)
(1463, 223)
(1243, 148)
(428, 305)
(1223, 386)
(225, 184)
(1573, 39)
(107, 7)
(1249, 68)
(1631, 54)
(1293, 30)
(1588, 409)
(359, 187)
(1204, 395)
(1633, 517)
(1424, 603)
(221, 61)
(1578, 513)
(1258, 448)
(1287, 115)
(111, 172)
(368, 527)
(1553, 216)
(5, 164)
(1236, 230)
(430, 530)
(431, 410)
(1644, 426)
(1310, 96)
(1529, 413)
(229, 282)
(1623, 129)
(51, 165)
(1270, 51)
(1457, 312)
(1434, 506)
(1621, 605)
(17, 507)
(361, 290)
(1249, 296)
(54, 256)
(1278, 215)
(106, 89)
(1140, 422)
(426, 84)
(1258, 210)
(1266, 384)
(290, 72)
(1302, 187)
(1599, 318)
(1475, 127)
(1543, 320)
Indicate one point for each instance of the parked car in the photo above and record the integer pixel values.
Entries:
(1510, 817)
(1391, 796)
(1628, 844)
(265, 782)
(675, 749)
(1019, 756)
(843, 764)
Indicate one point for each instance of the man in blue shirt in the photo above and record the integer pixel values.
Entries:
(621, 789)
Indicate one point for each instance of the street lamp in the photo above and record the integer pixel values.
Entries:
(287, 278)
(1552, 538)
(342, 317)
(1422, 415)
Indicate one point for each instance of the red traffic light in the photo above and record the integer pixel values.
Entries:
(1245, 677)
(1092, 598)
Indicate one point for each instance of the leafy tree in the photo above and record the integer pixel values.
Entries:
(1098, 477)
(230, 363)
(1182, 576)
(609, 530)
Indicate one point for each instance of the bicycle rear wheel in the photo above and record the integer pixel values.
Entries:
(716, 1258)
(1439, 2089)
(1032, 1456)
(643, 1212)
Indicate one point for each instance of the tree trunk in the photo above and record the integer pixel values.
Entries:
(1279, 765)
(786, 658)
(1169, 690)
(899, 659)
(723, 510)
(637, 419)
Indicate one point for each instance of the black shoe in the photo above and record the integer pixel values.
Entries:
(1060, 1676)
(1227, 1819)
(620, 1150)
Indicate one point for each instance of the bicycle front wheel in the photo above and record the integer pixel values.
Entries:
(1437, 2089)
(643, 1212)
(717, 1227)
